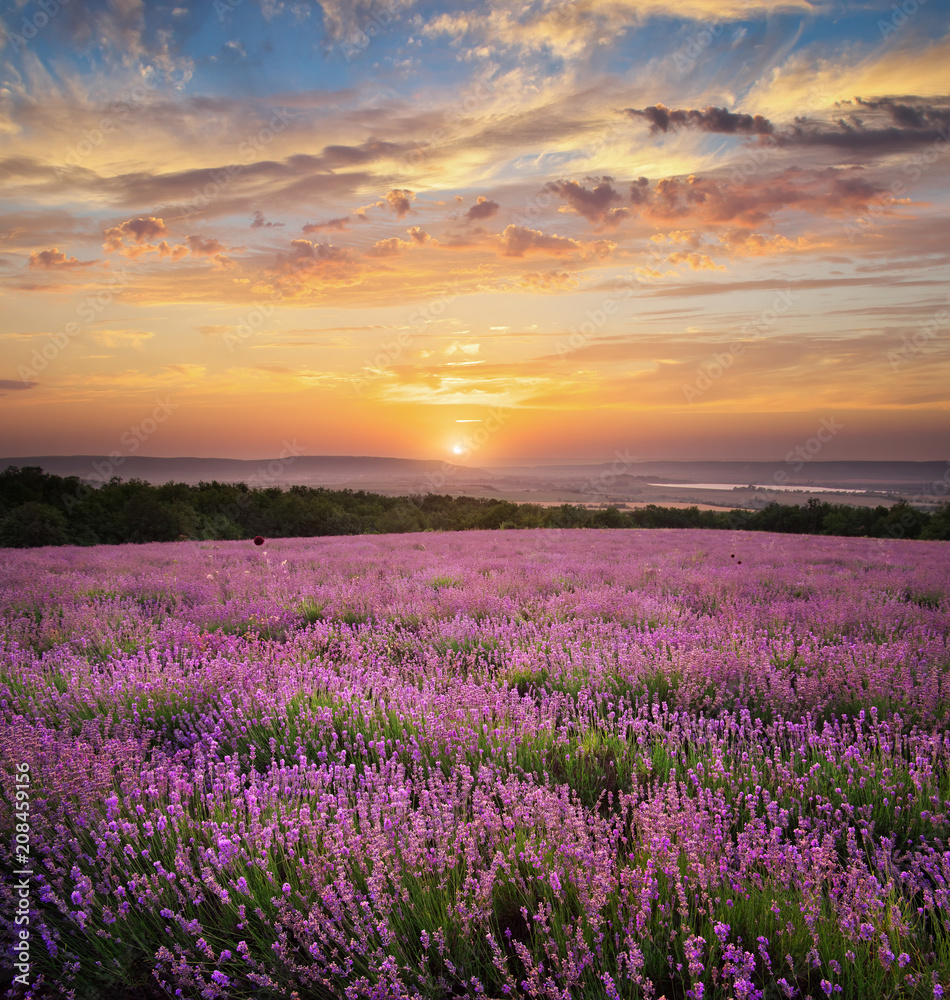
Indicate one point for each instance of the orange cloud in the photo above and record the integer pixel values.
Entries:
(546, 281)
(696, 261)
(56, 260)
(516, 241)
(140, 231)
(707, 202)
(400, 201)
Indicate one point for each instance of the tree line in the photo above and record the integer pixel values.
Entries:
(37, 508)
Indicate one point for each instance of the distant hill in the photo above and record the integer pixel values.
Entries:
(868, 475)
(353, 471)
(406, 475)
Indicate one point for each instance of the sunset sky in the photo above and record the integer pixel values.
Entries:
(488, 230)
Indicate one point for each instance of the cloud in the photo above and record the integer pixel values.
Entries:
(594, 204)
(743, 243)
(215, 329)
(457, 348)
(393, 246)
(259, 222)
(699, 202)
(330, 226)
(484, 208)
(387, 248)
(893, 122)
(516, 241)
(877, 126)
(354, 22)
(400, 201)
(57, 260)
(16, 384)
(176, 252)
(546, 281)
(687, 237)
(709, 119)
(310, 269)
(571, 27)
(205, 247)
(696, 261)
(121, 338)
(140, 231)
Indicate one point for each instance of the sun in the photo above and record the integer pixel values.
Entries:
(457, 449)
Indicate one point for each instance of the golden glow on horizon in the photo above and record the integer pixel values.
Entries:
(574, 260)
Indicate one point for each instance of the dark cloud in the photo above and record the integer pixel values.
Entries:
(330, 226)
(260, 222)
(215, 190)
(876, 125)
(400, 201)
(709, 203)
(892, 124)
(9, 383)
(595, 203)
(640, 191)
(367, 152)
(709, 119)
(484, 208)
(205, 247)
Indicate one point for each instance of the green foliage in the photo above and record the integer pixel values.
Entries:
(41, 509)
(33, 524)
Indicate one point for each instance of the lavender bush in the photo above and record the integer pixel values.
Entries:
(498, 764)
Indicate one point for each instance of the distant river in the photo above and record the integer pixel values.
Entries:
(770, 486)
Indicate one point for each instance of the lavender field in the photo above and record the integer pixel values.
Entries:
(545, 764)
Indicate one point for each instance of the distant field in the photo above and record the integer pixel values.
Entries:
(546, 764)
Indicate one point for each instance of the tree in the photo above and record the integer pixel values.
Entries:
(33, 524)
(939, 525)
